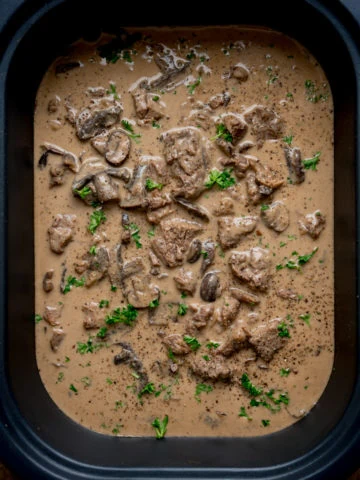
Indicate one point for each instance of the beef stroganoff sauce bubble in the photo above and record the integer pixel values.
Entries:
(184, 232)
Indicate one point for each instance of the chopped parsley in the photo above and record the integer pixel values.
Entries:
(288, 139)
(191, 55)
(202, 387)
(130, 131)
(151, 232)
(263, 208)
(73, 282)
(211, 345)
(160, 426)
(156, 98)
(126, 315)
(312, 92)
(113, 288)
(102, 332)
(92, 250)
(182, 309)
(295, 264)
(223, 132)
(289, 95)
(283, 330)
(311, 163)
(221, 179)
(83, 192)
(279, 267)
(155, 124)
(86, 381)
(193, 342)
(246, 383)
(67, 359)
(265, 423)
(117, 428)
(284, 372)
(113, 92)
(192, 86)
(38, 318)
(118, 404)
(243, 413)
(171, 354)
(272, 78)
(206, 358)
(104, 303)
(283, 244)
(154, 303)
(134, 229)
(149, 388)
(283, 397)
(302, 259)
(183, 295)
(73, 388)
(60, 377)
(96, 218)
(306, 318)
(151, 185)
(88, 347)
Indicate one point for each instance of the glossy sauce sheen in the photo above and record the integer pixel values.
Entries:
(106, 398)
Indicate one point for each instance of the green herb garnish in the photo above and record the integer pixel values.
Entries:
(265, 423)
(211, 345)
(104, 303)
(149, 388)
(182, 309)
(222, 132)
(154, 303)
(38, 318)
(130, 131)
(306, 318)
(96, 218)
(193, 343)
(310, 163)
(243, 413)
(151, 185)
(160, 426)
(102, 332)
(284, 372)
(88, 347)
(60, 377)
(92, 250)
(221, 179)
(73, 388)
(283, 330)
(202, 387)
(288, 139)
(126, 315)
(192, 86)
(134, 234)
(246, 383)
(263, 208)
(73, 282)
(113, 92)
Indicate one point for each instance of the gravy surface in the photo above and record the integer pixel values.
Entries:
(223, 144)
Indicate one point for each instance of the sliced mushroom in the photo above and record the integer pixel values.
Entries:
(294, 163)
(194, 209)
(117, 147)
(208, 253)
(209, 287)
(194, 251)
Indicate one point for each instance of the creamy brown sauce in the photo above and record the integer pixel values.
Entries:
(295, 358)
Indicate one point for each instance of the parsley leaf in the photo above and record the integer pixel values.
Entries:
(103, 303)
(192, 86)
(126, 315)
(73, 389)
(210, 345)
(306, 318)
(202, 387)
(156, 98)
(83, 192)
(310, 163)
(155, 124)
(38, 318)
(302, 259)
(265, 423)
(182, 309)
(284, 372)
(113, 92)
(130, 131)
(221, 179)
(160, 426)
(154, 303)
(88, 347)
(102, 332)
(134, 233)
(149, 388)
(288, 139)
(283, 397)
(193, 343)
(92, 250)
(151, 232)
(222, 132)
(243, 413)
(283, 330)
(312, 92)
(96, 218)
(71, 282)
(263, 208)
(113, 288)
(151, 185)
(246, 383)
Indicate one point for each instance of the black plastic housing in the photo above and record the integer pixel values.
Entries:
(36, 439)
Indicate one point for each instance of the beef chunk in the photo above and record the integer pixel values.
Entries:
(94, 315)
(232, 229)
(198, 317)
(255, 191)
(56, 338)
(136, 285)
(155, 216)
(266, 175)
(208, 253)
(106, 188)
(187, 160)
(215, 369)
(219, 100)
(287, 294)
(52, 314)
(237, 128)
(145, 107)
(57, 173)
(265, 123)
(47, 283)
(210, 287)
(162, 315)
(98, 265)
(276, 216)
(229, 311)
(61, 232)
(312, 224)
(239, 163)
(225, 207)
(235, 341)
(177, 344)
(265, 339)
(115, 265)
(294, 164)
(155, 263)
(252, 267)
(174, 241)
(240, 72)
(243, 296)
(115, 147)
(101, 114)
(201, 117)
(185, 281)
